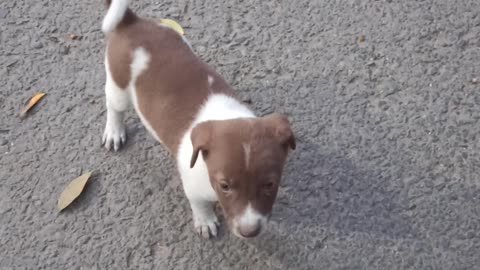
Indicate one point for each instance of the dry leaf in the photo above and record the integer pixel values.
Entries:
(31, 102)
(72, 191)
(173, 24)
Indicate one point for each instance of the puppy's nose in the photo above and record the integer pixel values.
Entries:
(250, 230)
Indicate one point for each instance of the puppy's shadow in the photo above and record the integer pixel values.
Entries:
(324, 194)
(330, 191)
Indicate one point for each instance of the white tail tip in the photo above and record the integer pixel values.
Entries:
(115, 14)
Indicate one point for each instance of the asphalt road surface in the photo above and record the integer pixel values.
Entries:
(383, 97)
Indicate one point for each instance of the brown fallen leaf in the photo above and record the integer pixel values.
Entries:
(31, 102)
(72, 191)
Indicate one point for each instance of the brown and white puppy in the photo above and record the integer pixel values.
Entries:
(224, 152)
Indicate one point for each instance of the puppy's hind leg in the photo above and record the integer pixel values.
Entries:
(118, 101)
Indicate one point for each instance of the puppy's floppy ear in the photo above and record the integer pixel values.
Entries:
(200, 137)
(281, 129)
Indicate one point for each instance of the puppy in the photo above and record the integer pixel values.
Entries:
(223, 151)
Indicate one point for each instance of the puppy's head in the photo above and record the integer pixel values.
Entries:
(245, 159)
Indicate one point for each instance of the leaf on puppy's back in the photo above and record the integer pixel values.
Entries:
(173, 24)
(31, 102)
(72, 191)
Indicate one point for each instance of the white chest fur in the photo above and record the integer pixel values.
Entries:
(196, 182)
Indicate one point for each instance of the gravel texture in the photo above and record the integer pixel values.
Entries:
(384, 100)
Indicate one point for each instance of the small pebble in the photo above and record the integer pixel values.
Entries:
(3, 13)
(37, 45)
(64, 50)
(201, 49)
(148, 192)
(247, 100)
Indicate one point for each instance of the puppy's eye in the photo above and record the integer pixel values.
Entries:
(225, 187)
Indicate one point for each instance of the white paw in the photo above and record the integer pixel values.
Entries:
(114, 134)
(206, 226)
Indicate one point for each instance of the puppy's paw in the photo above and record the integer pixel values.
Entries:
(206, 226)
(114, 135)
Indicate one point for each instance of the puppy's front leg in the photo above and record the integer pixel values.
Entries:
(204, 218)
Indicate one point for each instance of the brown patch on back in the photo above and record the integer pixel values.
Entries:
(174, 86)
(119, 51)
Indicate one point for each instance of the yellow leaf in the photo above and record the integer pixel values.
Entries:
(72, 191)
(31, 102)
(173, 24)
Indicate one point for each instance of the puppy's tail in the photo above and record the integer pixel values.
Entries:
(117, 12)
